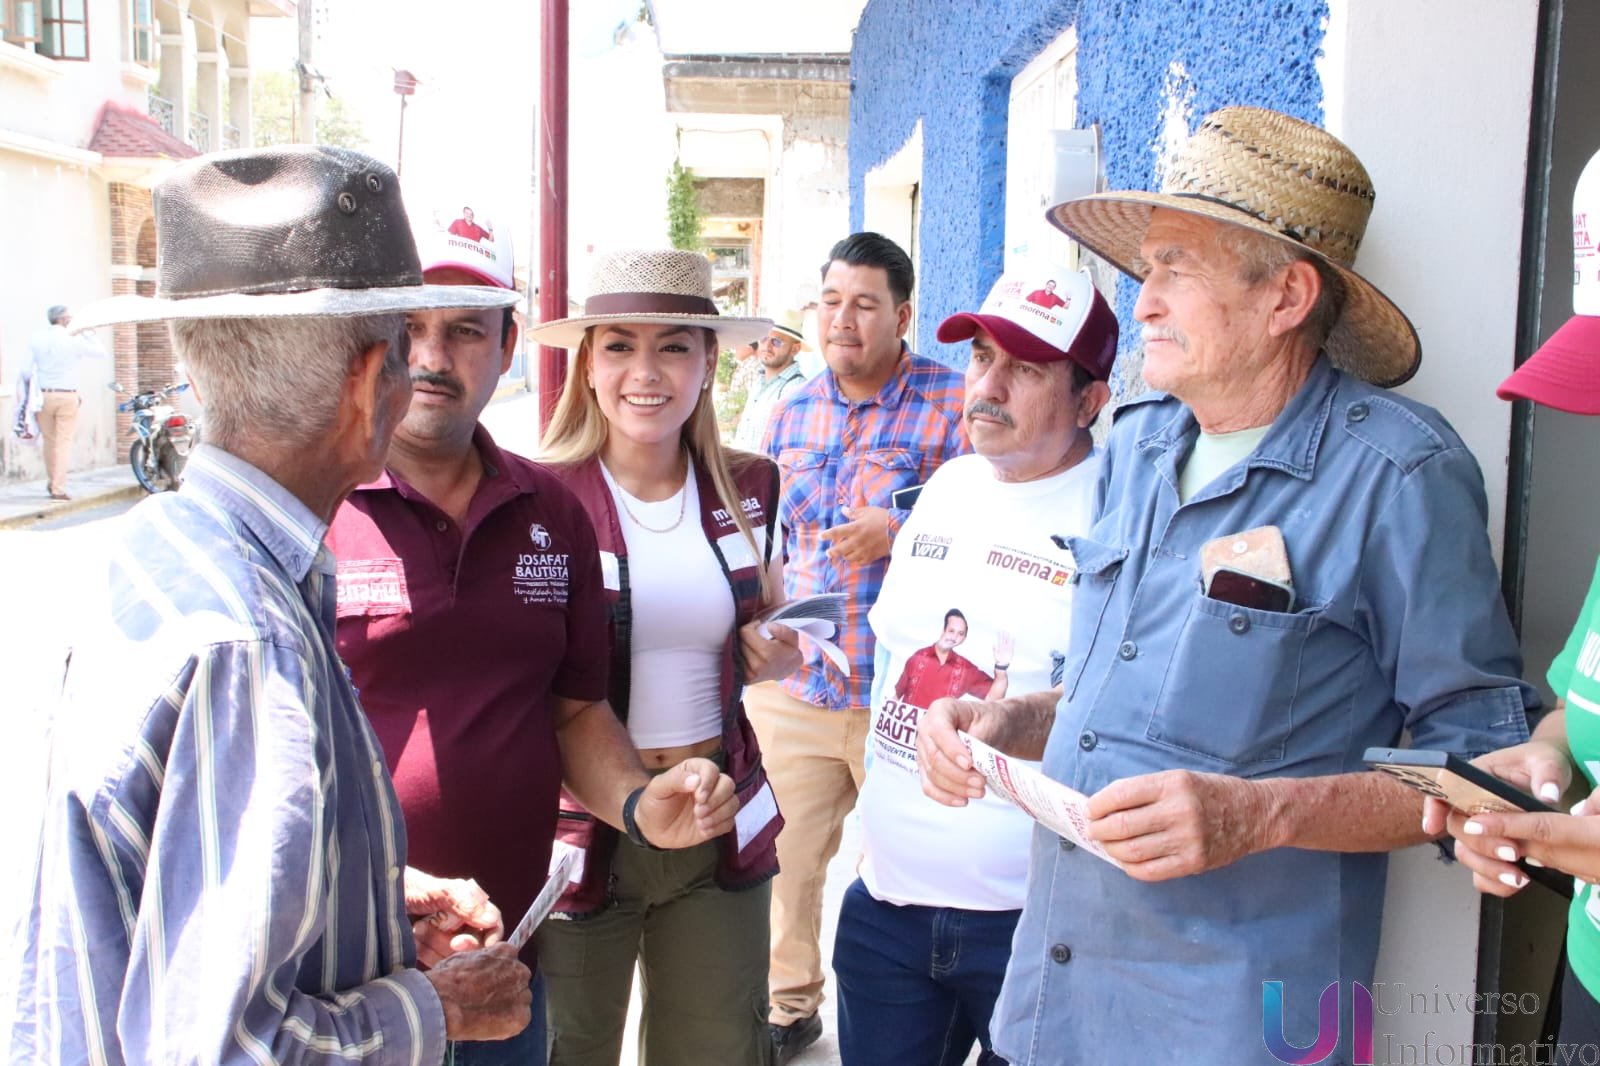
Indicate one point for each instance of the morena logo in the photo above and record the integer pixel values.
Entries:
(1361, 1025)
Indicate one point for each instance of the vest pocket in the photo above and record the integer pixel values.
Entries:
(1230, 687)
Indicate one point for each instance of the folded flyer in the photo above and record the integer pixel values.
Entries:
(563, 864)
(819, 617)
(1062, 810)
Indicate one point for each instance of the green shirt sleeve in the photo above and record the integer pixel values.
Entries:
(1560, 672)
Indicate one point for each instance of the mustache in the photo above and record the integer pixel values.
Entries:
(1165, 333)
(438, 381)
(993, 410)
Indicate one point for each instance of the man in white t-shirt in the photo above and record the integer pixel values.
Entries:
(925, 933)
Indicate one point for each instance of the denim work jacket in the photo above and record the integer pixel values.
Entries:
(1397, 626)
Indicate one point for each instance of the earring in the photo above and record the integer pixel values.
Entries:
(704, 385)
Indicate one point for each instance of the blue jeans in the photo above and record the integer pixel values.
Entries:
(917, 984)
(527, 1048)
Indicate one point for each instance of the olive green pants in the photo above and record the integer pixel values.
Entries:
(702, 959)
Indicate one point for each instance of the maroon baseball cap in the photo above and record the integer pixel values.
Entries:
(1044, 315)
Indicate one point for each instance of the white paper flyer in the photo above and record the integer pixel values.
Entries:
(1062, 810)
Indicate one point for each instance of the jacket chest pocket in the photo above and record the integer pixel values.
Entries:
(1098, 567)
(1230, 687)
(801, 487)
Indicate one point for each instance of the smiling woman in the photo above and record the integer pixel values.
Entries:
(635, 436)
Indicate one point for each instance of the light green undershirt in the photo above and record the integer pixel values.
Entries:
(1212, 454)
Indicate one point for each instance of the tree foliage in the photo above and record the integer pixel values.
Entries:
(683, 208)
(274, 95)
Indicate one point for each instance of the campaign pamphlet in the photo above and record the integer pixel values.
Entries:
(819, 617)
(563, 865)
(1062, 810)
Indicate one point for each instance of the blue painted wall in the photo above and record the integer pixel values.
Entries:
(950, 64)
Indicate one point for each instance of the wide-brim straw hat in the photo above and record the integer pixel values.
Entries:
(1283, 178)
(660, 287)
(297, 231)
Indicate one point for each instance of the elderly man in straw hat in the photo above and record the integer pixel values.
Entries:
(221, 873)
(1288, 565)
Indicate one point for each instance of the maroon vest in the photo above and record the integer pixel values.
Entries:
(757, 483)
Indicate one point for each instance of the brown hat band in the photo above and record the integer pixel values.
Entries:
(648, 303)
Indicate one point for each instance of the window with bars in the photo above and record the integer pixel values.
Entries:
(19, 21)
(64, 29)
(142, 32)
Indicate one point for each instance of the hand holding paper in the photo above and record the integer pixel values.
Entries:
(819, 617)
(1053, 805)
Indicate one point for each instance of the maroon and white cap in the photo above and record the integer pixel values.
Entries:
(457, 236)
(1565, 372)
(1044, 314)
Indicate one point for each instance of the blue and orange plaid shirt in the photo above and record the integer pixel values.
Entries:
(837, 453)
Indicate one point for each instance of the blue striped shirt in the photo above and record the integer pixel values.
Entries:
(221, 872)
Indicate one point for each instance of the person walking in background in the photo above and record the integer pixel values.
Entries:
(54, 354)
(687, 536)
(925, 932)
(781, 377)
(877, 420)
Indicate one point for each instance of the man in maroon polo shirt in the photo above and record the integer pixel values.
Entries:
(472, 616)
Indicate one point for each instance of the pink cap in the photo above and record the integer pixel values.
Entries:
(1042, 314)
(1565, 372)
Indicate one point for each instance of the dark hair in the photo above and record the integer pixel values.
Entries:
(954, 613)
(876, 250)
(505, 326)
(1081, 378)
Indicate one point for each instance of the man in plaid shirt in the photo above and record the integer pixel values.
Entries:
(878, 419)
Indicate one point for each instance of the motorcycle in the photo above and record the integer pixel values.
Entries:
(163, 437)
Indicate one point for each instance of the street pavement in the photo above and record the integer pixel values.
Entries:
(53, 550)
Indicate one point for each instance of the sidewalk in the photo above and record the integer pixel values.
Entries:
(24, 502)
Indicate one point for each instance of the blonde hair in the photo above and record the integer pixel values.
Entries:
(578, 428)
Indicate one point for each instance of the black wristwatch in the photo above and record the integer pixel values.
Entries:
(630, 825)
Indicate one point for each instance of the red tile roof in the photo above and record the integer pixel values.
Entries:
(123, 131)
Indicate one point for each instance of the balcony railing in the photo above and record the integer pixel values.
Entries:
(200, 130)
(230, 136)
(163, 113)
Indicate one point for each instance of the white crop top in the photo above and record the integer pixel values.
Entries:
(682, 614)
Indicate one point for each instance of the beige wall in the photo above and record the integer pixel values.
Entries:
(1435, 97)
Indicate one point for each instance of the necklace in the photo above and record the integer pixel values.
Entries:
(683, 507)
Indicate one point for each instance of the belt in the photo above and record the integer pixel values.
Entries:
(58, 390)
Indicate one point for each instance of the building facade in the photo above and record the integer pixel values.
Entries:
(98, 99)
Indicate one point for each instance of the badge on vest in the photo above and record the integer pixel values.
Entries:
(736, 550)
(610, 574)
(756, 815)
(370, 588)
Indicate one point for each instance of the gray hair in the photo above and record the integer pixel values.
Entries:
(277, 381)
(1261, 256)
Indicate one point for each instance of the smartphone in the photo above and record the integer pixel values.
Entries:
(1250, 569)
(1468, 789)
(904, 499)
(1248, 590)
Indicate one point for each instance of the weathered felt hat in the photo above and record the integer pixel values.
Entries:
(294, 231)
(1280, 177)
(652, 287)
